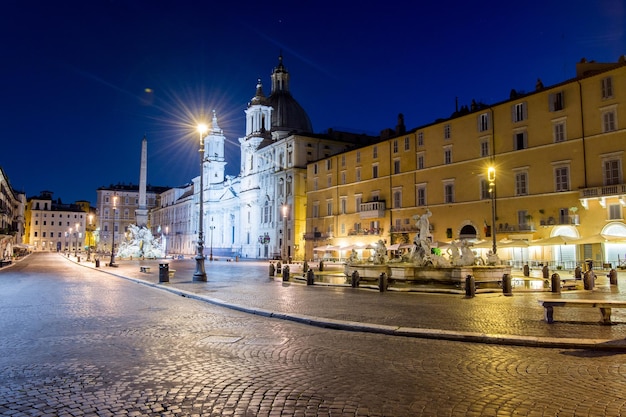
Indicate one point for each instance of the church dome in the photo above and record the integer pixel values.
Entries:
(287, 114)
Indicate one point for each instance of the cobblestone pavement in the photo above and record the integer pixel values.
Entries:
(80, 342)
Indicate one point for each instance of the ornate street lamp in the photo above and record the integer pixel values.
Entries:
(200, 274)
(285, 210)
(112, 263)
(77, 234)
(491, 177)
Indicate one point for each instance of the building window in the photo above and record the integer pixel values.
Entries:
(329, 208)
(316, 210)
(521, 183)
(446, 131)
(357, 200)
(375, 152)
(421, 195)
(407, 143)
(395, 146)
(522, 219)
(420, 139)
(520, 140)
(615, 212)
(484, 148)
(344, 205)
(396, 166)
(609, 121)
(358, 174)
(612, 172)
(448, 193)
(358, 157)
(343, 177)
(314, 184)
(483, 122)
(519, 112)
(343, 160)
(420, 161)
(556, 101)
(607, 87)
(397, 199)
(374, 171)
(329, 164)
(561, 179)
(447, 156)
(558, 130)
(484, 189)
(329, 181)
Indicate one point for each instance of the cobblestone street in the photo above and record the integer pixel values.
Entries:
(80, 342)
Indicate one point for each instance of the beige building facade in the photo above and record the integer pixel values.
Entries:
(557, 155)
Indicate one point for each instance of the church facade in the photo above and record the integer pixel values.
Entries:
(261, 212)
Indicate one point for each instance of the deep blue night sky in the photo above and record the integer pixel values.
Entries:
(74, 74)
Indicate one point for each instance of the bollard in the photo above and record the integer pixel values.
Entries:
(286, 273)
(310, 277)
(279, 267)
(546, 271)
(164, 273)
(305, 267)
(470, 287)
(613, 277)
(78, 259)
(382, 282)
(588, 280)
(578, 274)
(556, 283)
(507, 287)
(526, 270)
(321, 266)
(272, 270)
(97, 263)
(355, 279)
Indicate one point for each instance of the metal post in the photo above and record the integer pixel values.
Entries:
(200, 274)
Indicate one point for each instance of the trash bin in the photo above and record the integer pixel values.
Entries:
(164, 273)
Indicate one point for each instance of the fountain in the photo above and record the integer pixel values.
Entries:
(140, 243)
(427, 265)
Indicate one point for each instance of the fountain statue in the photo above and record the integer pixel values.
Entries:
(140, 243)
(425, 263)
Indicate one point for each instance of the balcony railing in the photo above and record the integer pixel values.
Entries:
(525, 227)
(572, 219)
(603, 191)
(317, 236)
(359, 232)
(372, 210)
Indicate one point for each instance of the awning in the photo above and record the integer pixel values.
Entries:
(556, 241)
(600, 238)
(326, 248)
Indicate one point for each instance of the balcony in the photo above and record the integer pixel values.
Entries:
(512, 228)
(372, 210)
(602, 193)
(364, 232)
(317, 236)
(572, 219)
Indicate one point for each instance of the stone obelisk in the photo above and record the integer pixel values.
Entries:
(141, 214)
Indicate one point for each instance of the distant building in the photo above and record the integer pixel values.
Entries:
(11, 218)
(55, 226)
(115, 211)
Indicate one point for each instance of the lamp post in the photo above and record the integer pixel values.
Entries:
(69, 248)
(285, 210)
(166, 233)
(112, 263)
(90, 231)
(77, 234)
(200, 274)
(211, 246)
(491, 177)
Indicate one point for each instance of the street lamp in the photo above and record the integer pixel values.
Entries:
(285, 209)
(200, 274)
(112, 263)
(77, 234)
(69, 248)
(90, 235)
(211, 251)
(491, 177)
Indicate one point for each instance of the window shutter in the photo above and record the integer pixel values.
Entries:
(551, 100)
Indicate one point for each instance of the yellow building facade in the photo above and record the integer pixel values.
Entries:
(557, 155)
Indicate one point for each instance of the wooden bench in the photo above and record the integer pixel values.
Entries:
(145, 269)
(604, 306)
